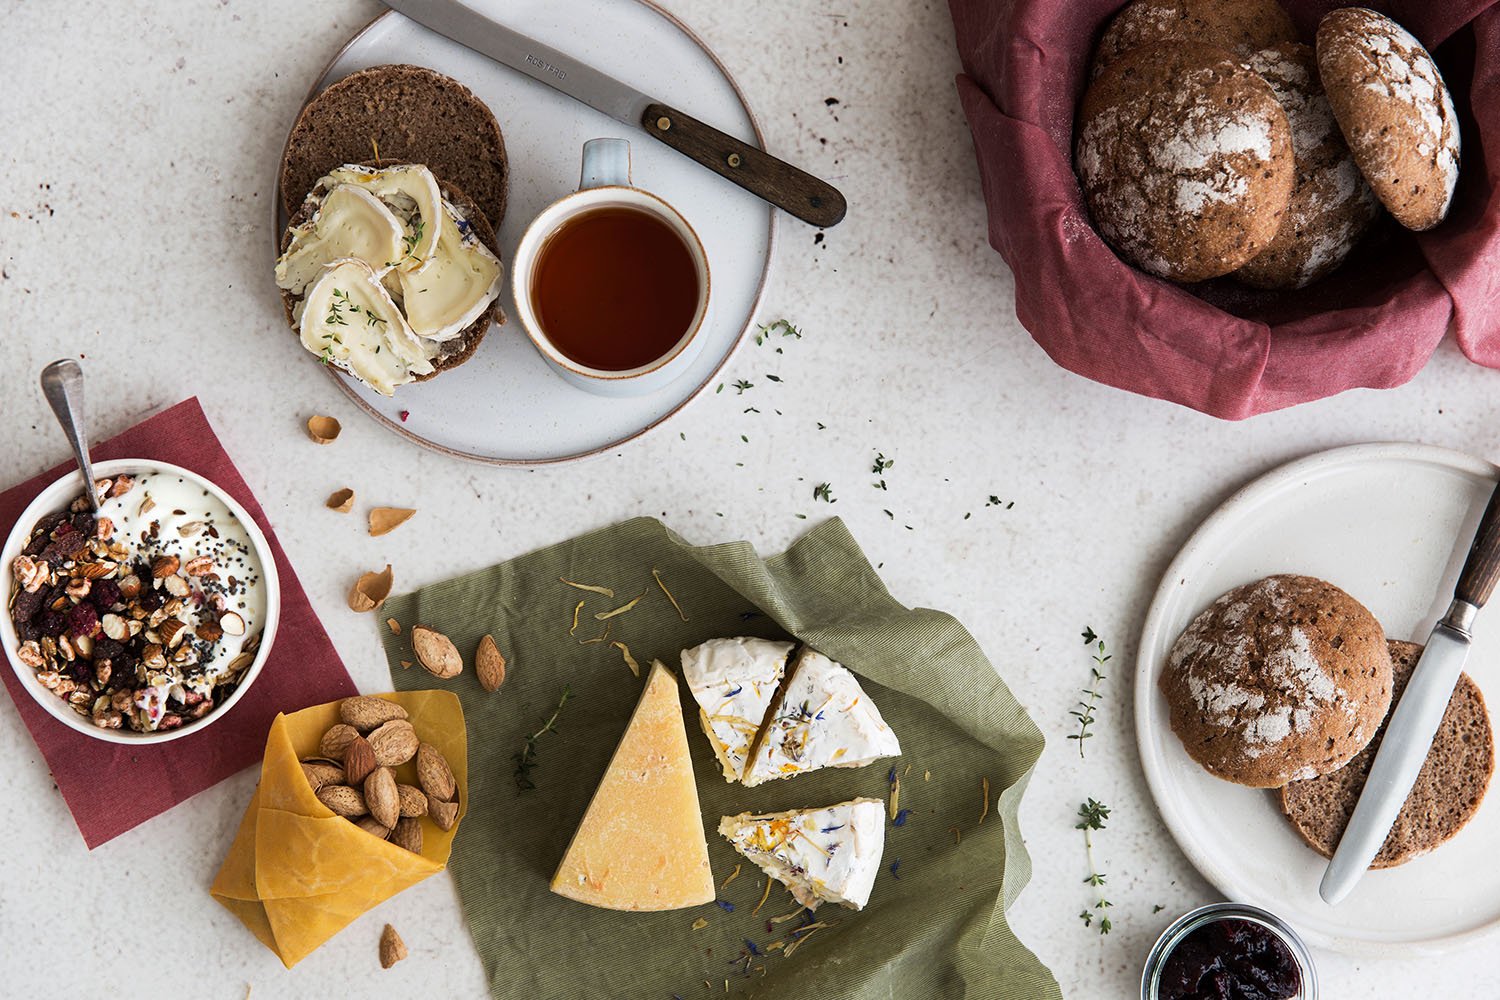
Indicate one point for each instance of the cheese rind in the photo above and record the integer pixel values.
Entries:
(734, 681)
(821, 855)
(641, 845)
(821, 718)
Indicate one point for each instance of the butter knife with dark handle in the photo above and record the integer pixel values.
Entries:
(1415, 719)
(787, 187)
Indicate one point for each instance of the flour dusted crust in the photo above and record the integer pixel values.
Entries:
(1240, 26)
(1279, 680)
(1185, 158)
(1395, 111)
(1447, 793)
(1332, 207)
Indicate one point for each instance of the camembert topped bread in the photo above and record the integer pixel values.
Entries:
(827, 855)
(734, 681)
(820, 717)
(641, 844)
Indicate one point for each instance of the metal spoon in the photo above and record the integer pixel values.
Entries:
(62, 384)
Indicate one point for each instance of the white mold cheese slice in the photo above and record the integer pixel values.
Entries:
(349, 321)
(733, 681)
(458, 285)
(828, 855)
(349, 222)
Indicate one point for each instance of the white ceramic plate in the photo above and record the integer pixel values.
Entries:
(505, 405)
(1391, 524)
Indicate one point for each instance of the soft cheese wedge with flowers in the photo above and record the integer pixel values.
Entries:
(350, 223)
(349, 320)
(641, 844)
(457, 284)
(820, 717)
(828, 855)
(412, 193)
(734, 681)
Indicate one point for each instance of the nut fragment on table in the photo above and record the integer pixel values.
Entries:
(341, 500)
(384, 520)
(323, 429)
(392, 948)
(370, 590)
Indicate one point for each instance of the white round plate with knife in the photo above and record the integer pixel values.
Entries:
(505, 405)
(1391, 524)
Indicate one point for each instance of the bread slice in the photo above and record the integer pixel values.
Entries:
(461, 348)
(1448, 791)
(411, 115)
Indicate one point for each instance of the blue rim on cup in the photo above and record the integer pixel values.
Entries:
(1214, 912)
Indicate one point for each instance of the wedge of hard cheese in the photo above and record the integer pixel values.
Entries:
(641, 844)
(821, 717)
(822, 855)
(733, 681)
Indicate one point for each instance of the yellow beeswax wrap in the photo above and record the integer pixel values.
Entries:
(296, 873)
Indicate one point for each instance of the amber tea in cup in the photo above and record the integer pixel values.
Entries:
(615, 288)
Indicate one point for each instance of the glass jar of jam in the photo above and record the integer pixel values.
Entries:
(1229, 951)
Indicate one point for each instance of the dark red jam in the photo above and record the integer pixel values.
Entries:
(1230, 960)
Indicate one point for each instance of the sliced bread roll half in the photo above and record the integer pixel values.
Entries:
(1446, 796)
(400, 114)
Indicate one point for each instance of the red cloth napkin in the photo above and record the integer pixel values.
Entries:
(1219, 347)
(112, 788)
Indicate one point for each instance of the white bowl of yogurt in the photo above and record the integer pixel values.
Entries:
(178, 545)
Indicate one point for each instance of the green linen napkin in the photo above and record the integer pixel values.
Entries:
(935, 926)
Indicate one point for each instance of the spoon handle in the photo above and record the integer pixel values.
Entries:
(62, 384)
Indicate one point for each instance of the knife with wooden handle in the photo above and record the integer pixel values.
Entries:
(1415, 719)
(787, 187)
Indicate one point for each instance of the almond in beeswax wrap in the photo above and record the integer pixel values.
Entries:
(296, 873)
(935, 927)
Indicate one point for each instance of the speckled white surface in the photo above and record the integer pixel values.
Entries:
(135, 175)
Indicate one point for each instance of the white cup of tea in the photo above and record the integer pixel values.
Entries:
(611, 283)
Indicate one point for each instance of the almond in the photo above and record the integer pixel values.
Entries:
(489, 664)
(371, 826)
(394, 743)
(444, 814)
(232, 623)
(392, 948)
(381, 797)
(199, 566)
(343, 800)
(436, 652)
(408, 834)
(336, 741)
(359, 760)
(434, 774)
(322, 772)
(210, 632)
(172, 632)
(164, 566)
(413, 800)
(365, 713)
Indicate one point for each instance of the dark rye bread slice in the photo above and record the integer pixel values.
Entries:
(461, 348)
(1447, 793)
(413, 115)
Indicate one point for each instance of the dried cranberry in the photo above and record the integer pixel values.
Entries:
(27, 605)
(107, 648)
(105, 594)
(63, 530)
(83, 619)
(28, 632)
(83, 523)
(152, 599)
(52, 623)
(82, 670)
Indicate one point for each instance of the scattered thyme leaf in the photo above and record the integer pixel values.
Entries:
(824, 492)
(526, 758)
(774, 378)
(741, 385)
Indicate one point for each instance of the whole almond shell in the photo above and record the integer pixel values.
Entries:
(372, 827)
(366, 713)
(489, 664)
(434, 774)
(394, 743)
(381, 797)
(359, 761)
(408, 834)
(413, 800)
(321, 772)
(444, 814)
(336, 741)
(436, 652)
(343, 800)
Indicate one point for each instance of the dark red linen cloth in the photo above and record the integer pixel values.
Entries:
(1218, 347)
(112, 788)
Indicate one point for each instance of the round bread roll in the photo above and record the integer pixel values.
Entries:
(1331, 206)
(1278, 680)
(1448, 791)
(1395, 111)
(1242, 27)
(1185, 159)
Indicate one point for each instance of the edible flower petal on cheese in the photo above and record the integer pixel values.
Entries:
(823, 718)
(823, 855)
(349, 320)
(458, 285)
(733, 681)
(349, 222)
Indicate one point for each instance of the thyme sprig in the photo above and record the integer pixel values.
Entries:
(824, 492)
(1084, 713)
(1091, 817)
(526, 758)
